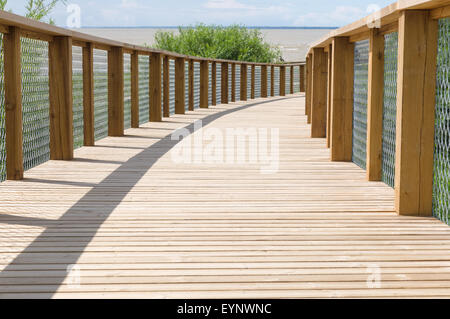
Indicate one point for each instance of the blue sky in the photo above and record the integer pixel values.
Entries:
(225, 12)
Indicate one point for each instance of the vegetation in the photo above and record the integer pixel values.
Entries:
(37, 9)
(232, 43)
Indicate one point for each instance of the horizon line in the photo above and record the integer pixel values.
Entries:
(176, 27)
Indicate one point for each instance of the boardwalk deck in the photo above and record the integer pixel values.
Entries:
(139, 225)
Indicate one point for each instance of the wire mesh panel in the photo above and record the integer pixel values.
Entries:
(2, 118)
(361, 77)
(441, 183)
(100, 94)
(269, 81)
(186, 85)
(210, 84)
(171, 86)
(77, 89)
(196, 84)
(287, 88)
(219, 83)
(258, 82)
(238, 82)
(162, 87)
(296, 79)
(127, 90)
(144, 89)
(230, 80)
(277, 81)
(389, 108)
(249, 82)
(35, 102)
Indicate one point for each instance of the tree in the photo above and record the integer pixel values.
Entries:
(37, 9)
(232, 43)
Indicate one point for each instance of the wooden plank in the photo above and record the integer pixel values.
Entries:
(342, 100)
(440, 13)
(204, 84)
(61, 100)
(329, 94)
(155, 114)
(308, 87)
(291, 87)
(166, 87)
(272, 81)
(115, 92)
(224, 84)
(375, 105)
(319, 94)
(214, 83)
(180, 85)
(13, 104)
(233, 82)
(415, 113)
(264, 81)
(282, 81)
(302, 78)
(135, 90)
(191, 85)
(88, 95)
(244, 82)
(253, 82)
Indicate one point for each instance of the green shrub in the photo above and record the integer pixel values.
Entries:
(231, 43)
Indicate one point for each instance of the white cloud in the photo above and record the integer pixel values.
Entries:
(341, 15)
(226, 4)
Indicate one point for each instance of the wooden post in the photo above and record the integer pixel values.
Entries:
(88, 95)
(180, 86)
(155, 114)
(191, 85)
(244, 82)
(61, 99)
(214, 83)
(272, 80)
(282, 80)
(264, 81)
(233, 82)
(13, 104)
(319, 93)
(253, 81)
(166, 86)
(292, 80)
(115, 92)
(135, 89)
(302, 78)
(342, 100)
(204, 84)
(375, 105)
(329, 57)
(224, 84)
(308, 88)
(416, 91)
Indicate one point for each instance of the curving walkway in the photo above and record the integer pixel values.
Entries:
(137, 225)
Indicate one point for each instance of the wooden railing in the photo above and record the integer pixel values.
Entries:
(330, 95)
(61, 41)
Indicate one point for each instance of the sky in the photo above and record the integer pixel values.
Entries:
(139, 13)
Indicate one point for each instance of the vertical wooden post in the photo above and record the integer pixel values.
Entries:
(61, 99)
(13, 104)
(291, 90)
(204, 84)
(308, 87)
(233, 82)
(416, 91)
(88, 95)
(244, 82)
(155, 114)
(302, 78)
(135, 89)
(319, 94)
(224, 84)
(282, 80)
(115, 92)
(166, 86)
(375, 105)
(180, 86)
(329, 94)
(272, 80)
(264, 81)
(191, 85)
(214, 83)
(253, 81)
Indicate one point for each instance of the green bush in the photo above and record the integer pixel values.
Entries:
(230, 43)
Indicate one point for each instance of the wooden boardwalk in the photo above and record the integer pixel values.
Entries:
(137, 225)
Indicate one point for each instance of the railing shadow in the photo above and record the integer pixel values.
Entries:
(52, 234)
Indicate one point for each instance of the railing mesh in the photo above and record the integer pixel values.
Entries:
(288, 81)
(277, 81)
(210, 84)
(171, 86)
(389, 108)
(441, 184)
(296, 79)
(218, 83)
(258, 82)
(361, 76)
(196, 84)
(269, 81)
(2, 117)
(127, 90)
(77, 89)
(35, 102)
(238, 82)
(186, 85)
(229, 82)
(144, 89)
(100, 94)
(249, 82)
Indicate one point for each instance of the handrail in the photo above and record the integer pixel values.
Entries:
(331, 66)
